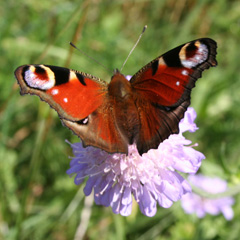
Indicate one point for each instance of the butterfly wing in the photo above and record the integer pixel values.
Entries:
(162, 89)
(80, 100)
(99, 129)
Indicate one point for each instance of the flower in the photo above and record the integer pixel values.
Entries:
(193, 203)
(151, 178)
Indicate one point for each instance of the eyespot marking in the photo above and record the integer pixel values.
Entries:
(39, 77)
(193, 54)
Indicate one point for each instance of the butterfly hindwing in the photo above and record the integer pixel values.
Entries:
(157, 124)
(99, 130)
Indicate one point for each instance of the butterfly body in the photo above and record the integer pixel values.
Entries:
(143, 111)
(122, 97)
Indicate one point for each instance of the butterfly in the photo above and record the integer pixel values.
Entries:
(111, 116)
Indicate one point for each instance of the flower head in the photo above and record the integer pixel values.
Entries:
(151, 178)
(193, 203)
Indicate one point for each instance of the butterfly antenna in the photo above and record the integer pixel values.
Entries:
(90, 57)
(144, 28)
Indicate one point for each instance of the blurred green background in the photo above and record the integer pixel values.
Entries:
(37, 198)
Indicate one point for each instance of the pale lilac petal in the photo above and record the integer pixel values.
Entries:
(126, 210)
(211, 207)
(90, 184)
(164, 202)
(104, 199)
(186, 187)
(128, 77)
(126, 206)
(148, 203)
(191, 161)
(227, 212)
(116, 193)
(127, 196)
(200, 212)
(116, 206)
(79, 178)
(189, 203)
(187, 123)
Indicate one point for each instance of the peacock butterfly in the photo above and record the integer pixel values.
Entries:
(143, 111)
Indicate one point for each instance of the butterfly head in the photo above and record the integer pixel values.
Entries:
(119, 86)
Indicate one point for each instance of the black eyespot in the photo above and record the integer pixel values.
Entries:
(191, 47)
(39, 70)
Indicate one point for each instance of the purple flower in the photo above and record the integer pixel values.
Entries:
(151, 178)
(193, 203)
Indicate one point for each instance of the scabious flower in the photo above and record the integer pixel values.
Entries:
(193, 203)
(151, 178)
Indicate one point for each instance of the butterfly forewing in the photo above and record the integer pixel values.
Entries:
(168, 79)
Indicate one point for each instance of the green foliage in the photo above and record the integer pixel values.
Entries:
(37, 198)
